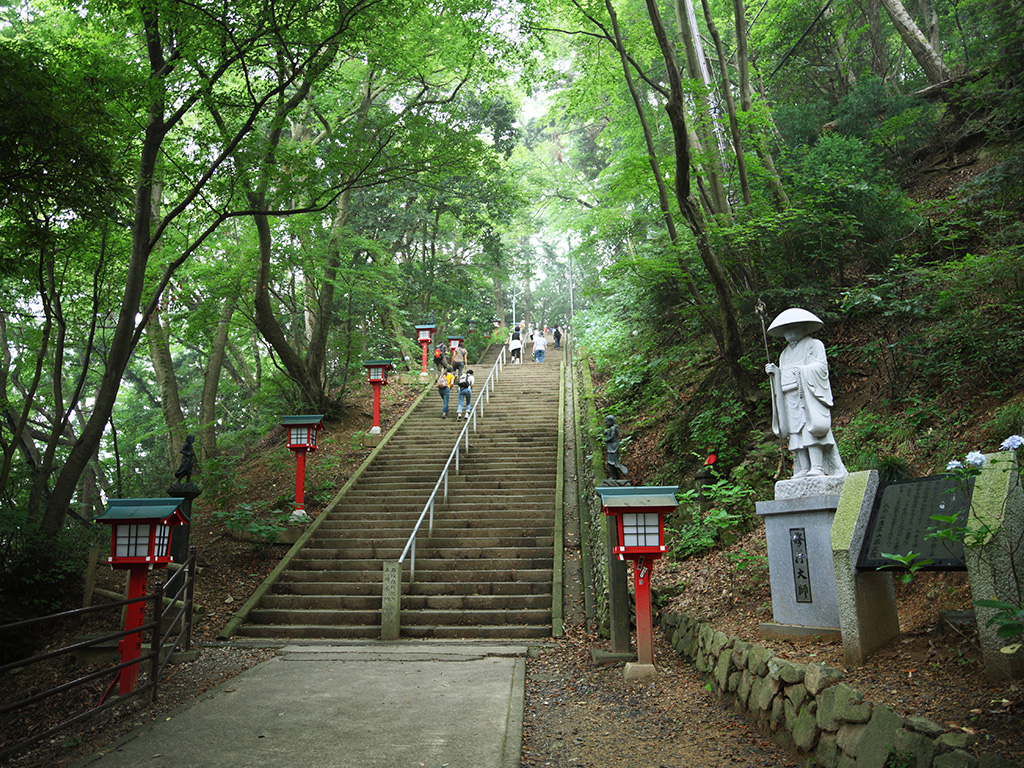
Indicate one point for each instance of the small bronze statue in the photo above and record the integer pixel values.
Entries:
(188, 461)
(611, 447)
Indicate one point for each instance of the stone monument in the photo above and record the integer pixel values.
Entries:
(872, 519)
(798, 522)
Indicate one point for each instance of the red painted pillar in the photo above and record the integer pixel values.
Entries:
(424, 344)
(300, 480)
(131, 645)
(376, 400)
(644, 632)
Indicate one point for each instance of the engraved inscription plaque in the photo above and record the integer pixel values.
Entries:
(902, 515)
(801, 568)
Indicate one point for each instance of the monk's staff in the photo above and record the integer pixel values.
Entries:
(760, 309)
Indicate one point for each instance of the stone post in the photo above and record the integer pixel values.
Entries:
(995, 568)
(391, 601)
(866, 599)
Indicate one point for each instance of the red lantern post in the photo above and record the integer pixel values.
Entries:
(377, 375)
(640, 524)
(140, 541)
(425, 335)
(301, 439)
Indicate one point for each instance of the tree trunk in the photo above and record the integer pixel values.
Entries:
(730, 105)
(929, 59)
(122, 341)
(652, 158)
(706, 123)
(310, 391)
(747, 104)
(211, 380)
(731, 346)
(158, 340)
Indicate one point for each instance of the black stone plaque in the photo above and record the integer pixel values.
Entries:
(801, 567)
(901, 516)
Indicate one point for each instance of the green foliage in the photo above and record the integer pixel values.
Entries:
(729, 507)
(718, 427)
(38, 573)
(909, 562)
(796, 247)
(977, 336)
(888, 305)
(1009, 618)
(689, 540)
(896, 123)
(1008, 419)
(253, 518)
(891, 469)
(842, 175)
(223, 484)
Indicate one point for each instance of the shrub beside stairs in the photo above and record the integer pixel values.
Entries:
(486, 570)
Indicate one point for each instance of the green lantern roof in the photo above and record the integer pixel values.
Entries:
(139, 509)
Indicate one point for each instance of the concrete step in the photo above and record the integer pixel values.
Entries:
(426, 574)
(420, 588)
(409, 602)
(324, 632)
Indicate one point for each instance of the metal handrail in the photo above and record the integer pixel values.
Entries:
(158, 646)
(442, 481)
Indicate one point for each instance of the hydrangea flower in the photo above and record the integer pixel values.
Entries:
(954, 464)
(975, 459)
(1012, 443)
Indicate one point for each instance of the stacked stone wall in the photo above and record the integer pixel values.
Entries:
(809, 709)
(591, 474)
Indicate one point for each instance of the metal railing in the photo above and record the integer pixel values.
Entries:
(177, 592)
(442, 481)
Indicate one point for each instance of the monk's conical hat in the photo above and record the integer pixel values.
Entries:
(792, 317)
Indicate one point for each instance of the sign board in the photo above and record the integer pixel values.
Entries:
(901, 516)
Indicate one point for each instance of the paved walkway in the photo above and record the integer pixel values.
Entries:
(454, 704)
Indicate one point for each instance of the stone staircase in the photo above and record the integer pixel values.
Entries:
(486, 569)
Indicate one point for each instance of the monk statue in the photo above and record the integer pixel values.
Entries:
(802, 396)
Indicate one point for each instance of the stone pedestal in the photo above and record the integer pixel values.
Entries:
(180, 533)
(798, 529)
(866, 599)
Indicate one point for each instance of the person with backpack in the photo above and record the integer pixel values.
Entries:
(465, 383)
(515, 346)
(459, 358)
(558, 337)
(441, 357)
(444, 384)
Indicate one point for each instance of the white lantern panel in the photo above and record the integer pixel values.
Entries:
(640, 529)
(424, 335)
(376, 373)
(132, 540)
(162, 540)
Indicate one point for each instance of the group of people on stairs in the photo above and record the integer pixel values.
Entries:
(537, 336)
(452, 371)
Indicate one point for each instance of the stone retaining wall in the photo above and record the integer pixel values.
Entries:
(808, 707)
